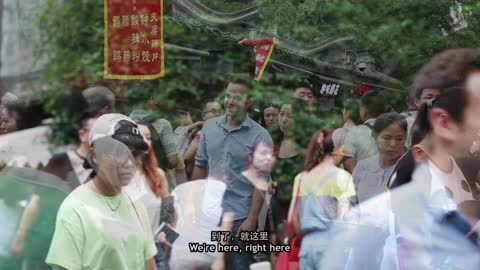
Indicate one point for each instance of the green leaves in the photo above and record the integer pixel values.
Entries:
(406, 32)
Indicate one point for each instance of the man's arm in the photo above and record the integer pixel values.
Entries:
(190, 153)
(172, 161)
(150, 264)
(199, 173)
(194, 126)
(28, 217)
(349, 164)
(226, 226)
(165, 131)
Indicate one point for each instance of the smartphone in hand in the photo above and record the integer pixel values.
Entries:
(170, 234)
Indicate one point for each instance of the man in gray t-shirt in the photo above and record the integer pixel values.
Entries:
(359, 143)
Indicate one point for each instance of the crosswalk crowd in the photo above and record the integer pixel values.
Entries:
(363, 187)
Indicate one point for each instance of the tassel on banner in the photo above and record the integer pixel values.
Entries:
(263, 49)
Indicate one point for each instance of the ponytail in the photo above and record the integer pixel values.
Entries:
(422, 123)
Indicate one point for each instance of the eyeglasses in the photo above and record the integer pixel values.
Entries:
(214, 111)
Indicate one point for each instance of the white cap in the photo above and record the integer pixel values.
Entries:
(106, 125)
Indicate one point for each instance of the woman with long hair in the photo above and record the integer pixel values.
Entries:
(323, 192)
(150, 183)
(294, 122)
(150, 186)
(315, 151)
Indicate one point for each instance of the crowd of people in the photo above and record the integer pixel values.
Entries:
(370, 189)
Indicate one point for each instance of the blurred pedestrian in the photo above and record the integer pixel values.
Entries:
(100, 100)
(224, 146)
(69, 165)
(371, 175)
(323, 192)
(351, 118)
(211, 109)
(150, 186)
(164, 145)
(359, 142)
(98, 225)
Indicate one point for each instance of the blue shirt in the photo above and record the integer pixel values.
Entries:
(224, 152)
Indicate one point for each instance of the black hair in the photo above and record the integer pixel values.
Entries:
(374, 102)
(385, 120)
(83, 119)
(447, 72)
(403, 171)
(416, 134)
(265, 104)
(148, 120)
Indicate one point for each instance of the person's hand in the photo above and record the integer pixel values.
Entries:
(271, 187)
(161, 237)
(17, 248)
(218, 263)
(247, 226)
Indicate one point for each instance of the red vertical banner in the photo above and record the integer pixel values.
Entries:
(133, 39)
(263, 49)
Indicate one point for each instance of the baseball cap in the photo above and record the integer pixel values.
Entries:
(119, 127)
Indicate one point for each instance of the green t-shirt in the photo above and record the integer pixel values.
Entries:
(89, 235)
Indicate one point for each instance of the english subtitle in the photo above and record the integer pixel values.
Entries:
(250, 248)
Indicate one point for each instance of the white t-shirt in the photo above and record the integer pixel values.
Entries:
(77, 164)
(139, 191)
(454, 183)
(199, 209)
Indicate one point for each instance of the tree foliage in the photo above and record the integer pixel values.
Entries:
(400, 35)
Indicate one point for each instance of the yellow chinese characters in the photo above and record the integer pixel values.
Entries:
(116, 22)
(127, 57)
(137, 20)
(156, 43)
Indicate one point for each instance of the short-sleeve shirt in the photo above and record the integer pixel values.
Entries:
(181, 139)
(334, 186)
(339, 136)
(165, 132)
(359, 142)
(139, 190)
(224, 151)
(77, 165)
(89, 235)
(196, 139)
(454, 183)
(370, 179)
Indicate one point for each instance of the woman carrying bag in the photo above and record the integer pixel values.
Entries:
(322, 193)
